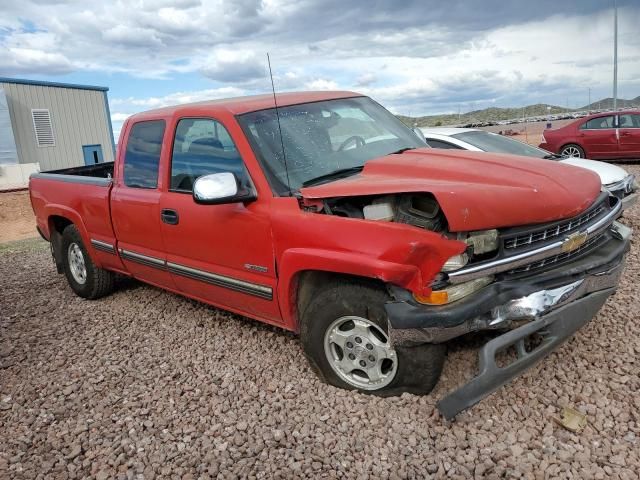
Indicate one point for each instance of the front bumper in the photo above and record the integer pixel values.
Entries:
(553, 304)
(625, 190)
(554, 328)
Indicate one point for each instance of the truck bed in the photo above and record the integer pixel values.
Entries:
(80, 194)
(99, 174)
(100, 170)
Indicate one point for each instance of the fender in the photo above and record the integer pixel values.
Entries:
(51, 210)
(297, 260)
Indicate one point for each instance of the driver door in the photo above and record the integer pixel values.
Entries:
(221, 254)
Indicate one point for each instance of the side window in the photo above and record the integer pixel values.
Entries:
(598, 123)
(202, 146)
(142, 156)
(629, 121)
(440, 144)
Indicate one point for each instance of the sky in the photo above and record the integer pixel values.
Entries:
(415, 57)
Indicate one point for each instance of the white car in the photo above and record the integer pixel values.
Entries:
(616, 180)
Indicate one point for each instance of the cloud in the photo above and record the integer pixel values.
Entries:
(321, 84)
(366, 79)
(423, 56)
(20, 61)
(228, 65)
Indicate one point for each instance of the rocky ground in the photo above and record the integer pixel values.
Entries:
(146, 384)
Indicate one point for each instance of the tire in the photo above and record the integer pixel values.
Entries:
(95, 282)
(572, 150)
(415, 369)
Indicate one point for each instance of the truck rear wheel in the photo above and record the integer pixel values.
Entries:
(345, 337)
(85, 278)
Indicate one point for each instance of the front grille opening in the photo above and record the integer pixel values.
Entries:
(549, 233)
(589, 245)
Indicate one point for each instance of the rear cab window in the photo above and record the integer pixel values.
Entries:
(142, 156)
(203, 146)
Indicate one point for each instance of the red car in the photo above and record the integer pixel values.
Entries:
(328, 217)
(602, 136)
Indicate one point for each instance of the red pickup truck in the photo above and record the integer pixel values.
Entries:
(328, 217)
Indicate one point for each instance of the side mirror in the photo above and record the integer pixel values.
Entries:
(219, 188)
(419, 134)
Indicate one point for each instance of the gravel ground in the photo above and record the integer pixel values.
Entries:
(146, 384)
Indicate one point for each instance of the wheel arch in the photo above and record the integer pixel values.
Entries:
(59, 218)
(301, 272)
(576, 143)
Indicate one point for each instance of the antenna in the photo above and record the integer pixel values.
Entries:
(275, 102)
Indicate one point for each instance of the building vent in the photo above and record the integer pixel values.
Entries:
(42, 127)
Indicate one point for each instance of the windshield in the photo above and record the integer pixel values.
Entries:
(492, 142)
(323, 137)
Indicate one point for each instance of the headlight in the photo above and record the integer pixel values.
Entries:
(455, 262)
(454, 292)
(484, 241)
(625, 186)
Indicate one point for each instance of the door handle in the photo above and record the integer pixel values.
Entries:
(625, 134)
(169, 216)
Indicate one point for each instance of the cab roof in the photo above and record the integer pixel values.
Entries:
(254, 103)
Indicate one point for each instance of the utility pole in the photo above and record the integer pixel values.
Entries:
(615, 55)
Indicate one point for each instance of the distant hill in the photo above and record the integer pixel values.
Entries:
(607, 103)
(494, 114)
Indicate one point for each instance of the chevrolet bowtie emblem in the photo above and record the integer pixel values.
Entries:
(574, 241)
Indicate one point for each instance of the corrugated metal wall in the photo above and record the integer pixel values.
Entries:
(8, 154)
(78, 117)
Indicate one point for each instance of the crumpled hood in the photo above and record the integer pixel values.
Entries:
(608, 173)
(476, 190)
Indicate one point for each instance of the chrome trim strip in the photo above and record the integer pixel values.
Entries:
(143, 259)
(606, 220)
(255, 289)
(60, 177)
(249, 288)
(508, 263)
(103, 246)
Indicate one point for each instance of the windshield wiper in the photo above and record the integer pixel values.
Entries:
(335, 175)
(552, 156)
(402, 150)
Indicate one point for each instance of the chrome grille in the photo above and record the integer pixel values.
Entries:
(588, 245)
(547, 233)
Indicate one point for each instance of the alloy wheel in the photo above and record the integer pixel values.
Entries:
(360, 352)
(76, 263)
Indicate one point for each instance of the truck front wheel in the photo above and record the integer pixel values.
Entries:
(85, 278)
(345, 337)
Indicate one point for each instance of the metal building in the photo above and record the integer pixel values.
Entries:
(49, 126)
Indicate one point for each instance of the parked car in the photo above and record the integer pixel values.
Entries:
(328, 217)
(602, 136)
(616, 180)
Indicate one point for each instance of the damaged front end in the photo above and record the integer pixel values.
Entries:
(532, 286)
(546, 282)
